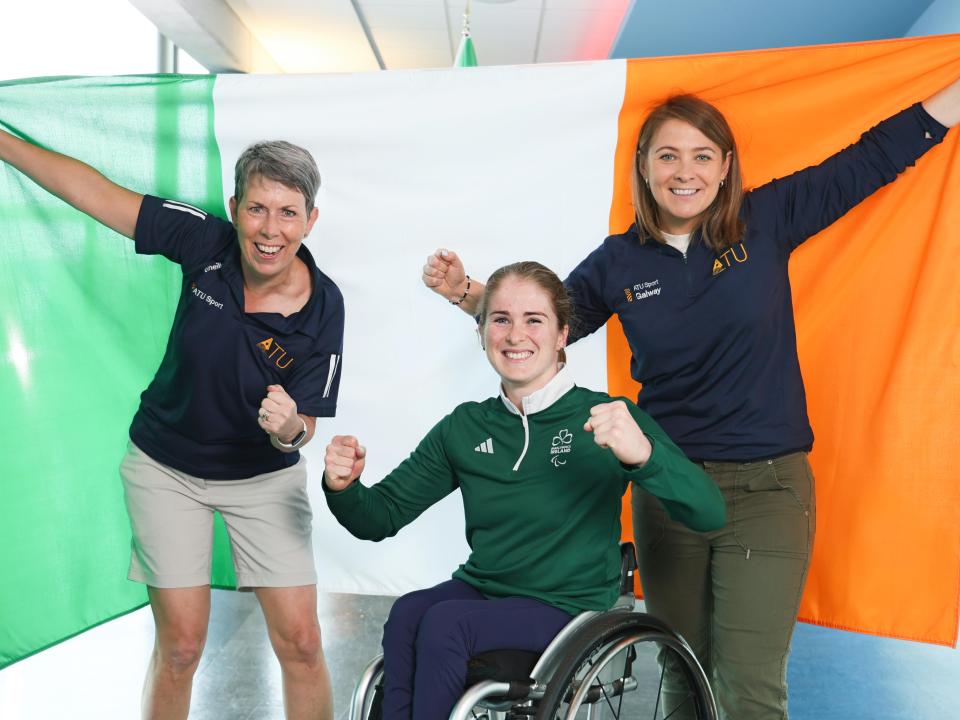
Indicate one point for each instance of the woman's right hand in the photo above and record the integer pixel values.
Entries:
(344, 462)
(445, 275)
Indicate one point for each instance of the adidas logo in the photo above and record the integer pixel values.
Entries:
(485, 447)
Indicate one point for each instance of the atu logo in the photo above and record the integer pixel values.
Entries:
(272, 349)
(723, 262)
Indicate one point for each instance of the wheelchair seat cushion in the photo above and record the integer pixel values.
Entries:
(501, 666)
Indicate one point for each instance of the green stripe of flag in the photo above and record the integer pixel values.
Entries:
(83, 325)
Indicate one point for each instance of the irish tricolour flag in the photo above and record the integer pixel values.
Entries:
(501, 164)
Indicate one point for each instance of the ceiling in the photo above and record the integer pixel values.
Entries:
(348, 35)
(321, 36)
(654, 27)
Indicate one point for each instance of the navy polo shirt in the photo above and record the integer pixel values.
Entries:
(199, 414)
(712, 334)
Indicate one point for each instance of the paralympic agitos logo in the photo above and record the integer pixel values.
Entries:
(559, 446)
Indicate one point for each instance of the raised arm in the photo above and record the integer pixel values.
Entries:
(944, 106)
(75, 183)
(380, 511)
(445, 275)
(656, 464)
(796, 207)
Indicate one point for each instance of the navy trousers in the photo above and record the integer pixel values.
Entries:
(431, 634)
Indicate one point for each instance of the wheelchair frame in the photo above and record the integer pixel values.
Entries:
(583, 652)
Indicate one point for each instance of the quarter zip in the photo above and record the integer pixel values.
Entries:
(543, 398)
(669, 251)
(682, 244)
(526, 441)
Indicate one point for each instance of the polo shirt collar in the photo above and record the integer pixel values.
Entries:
(559, 385)
(306, 318)
(298, 322)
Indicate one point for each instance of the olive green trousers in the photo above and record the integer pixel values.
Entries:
(734, 593)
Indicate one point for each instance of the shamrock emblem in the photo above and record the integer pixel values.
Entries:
(563, 437)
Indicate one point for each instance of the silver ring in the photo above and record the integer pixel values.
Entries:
(264, 415)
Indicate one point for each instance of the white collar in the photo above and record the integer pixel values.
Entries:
(559, 385)
(677, 242)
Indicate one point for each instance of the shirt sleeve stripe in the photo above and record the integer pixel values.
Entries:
(182, 207)
(334, 362)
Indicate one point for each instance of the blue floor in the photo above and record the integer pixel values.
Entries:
(833, 675)
(837, 674)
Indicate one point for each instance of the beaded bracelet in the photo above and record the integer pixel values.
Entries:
(465, 293)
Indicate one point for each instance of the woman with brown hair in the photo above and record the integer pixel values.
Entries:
(542, 467)
(701, 287)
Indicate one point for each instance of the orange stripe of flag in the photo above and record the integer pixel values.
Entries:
(877, 304)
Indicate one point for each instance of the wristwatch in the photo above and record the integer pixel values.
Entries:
(297, 441)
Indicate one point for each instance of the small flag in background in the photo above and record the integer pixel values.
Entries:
(466, 53)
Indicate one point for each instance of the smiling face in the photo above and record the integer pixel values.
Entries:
(522, 337)
(683, 168)
(271, 221)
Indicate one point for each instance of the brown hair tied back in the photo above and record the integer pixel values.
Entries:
(545, 278)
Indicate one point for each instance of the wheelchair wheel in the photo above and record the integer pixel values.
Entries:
(628, 665)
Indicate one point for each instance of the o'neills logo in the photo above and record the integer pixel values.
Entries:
(731, 255)
(274, 352)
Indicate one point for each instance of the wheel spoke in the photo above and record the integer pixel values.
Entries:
(638, 657)
(687, 699)
(656, 709)
(623, 675)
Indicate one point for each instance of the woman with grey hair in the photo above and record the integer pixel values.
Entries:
(252, 360)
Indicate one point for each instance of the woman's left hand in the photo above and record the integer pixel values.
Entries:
(613, 427)
(944, 106)
(278, 414)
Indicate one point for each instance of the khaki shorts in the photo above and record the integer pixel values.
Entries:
(268, 519)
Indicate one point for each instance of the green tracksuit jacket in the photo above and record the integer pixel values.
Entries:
(541, 499)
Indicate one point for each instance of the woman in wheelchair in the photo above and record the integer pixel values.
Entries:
(542, 468)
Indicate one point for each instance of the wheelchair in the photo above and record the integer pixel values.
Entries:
(602, 662)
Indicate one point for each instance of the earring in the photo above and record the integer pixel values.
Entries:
(648, 181)
(723, 182)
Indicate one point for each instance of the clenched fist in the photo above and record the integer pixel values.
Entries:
(278, 414)
(344, 461)
(444, 274)
(613, 427)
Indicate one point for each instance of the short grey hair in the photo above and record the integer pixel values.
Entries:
(281, 161)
